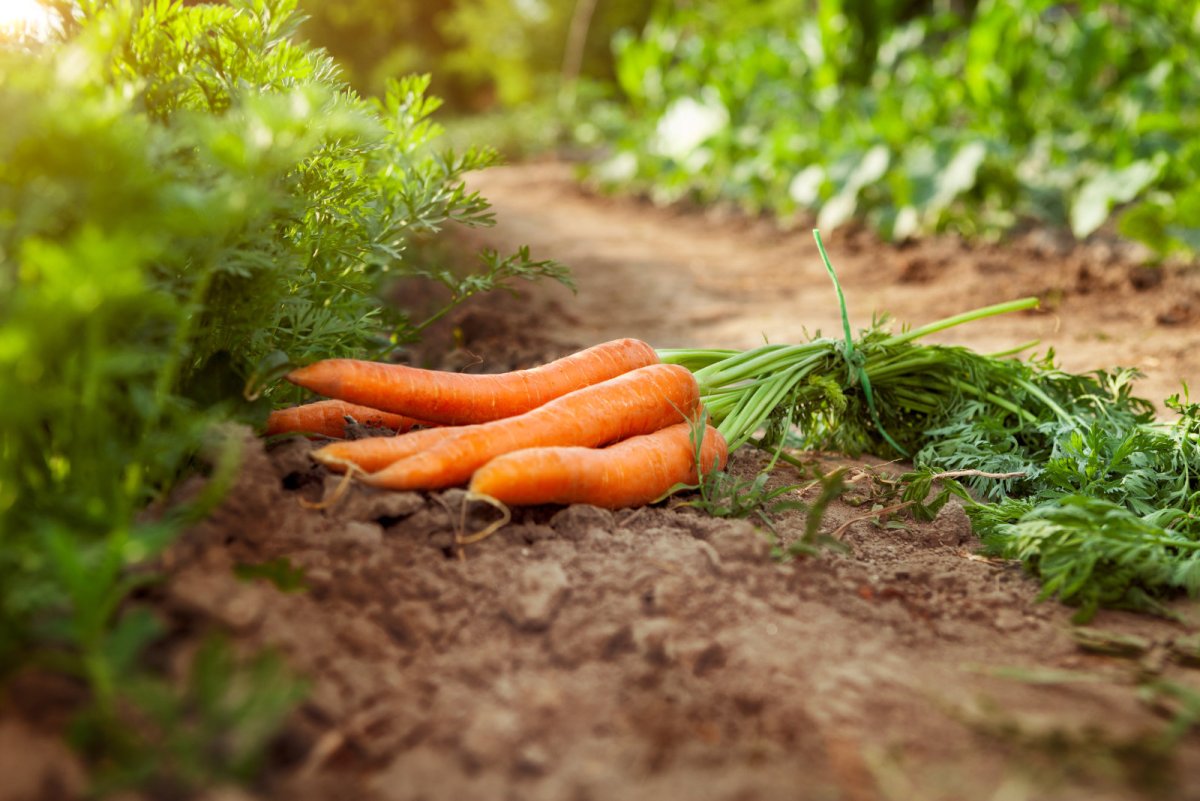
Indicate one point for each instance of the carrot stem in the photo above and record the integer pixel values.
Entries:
(1022, 304)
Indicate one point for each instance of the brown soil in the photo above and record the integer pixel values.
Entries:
(660, 653)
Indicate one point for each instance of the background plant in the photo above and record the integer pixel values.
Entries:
(919, 117)
(483, 53)
(188, 196)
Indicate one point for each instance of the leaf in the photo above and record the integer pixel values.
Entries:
(1189, 237)
(841, 207)
(1101, 192)
(958, 176)
(837, 210)
(906, 224)
(280, 572)
(269, 369)
(1146, 223)
(125, 642)
(805, 188)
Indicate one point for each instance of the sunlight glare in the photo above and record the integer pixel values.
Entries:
(24, 17)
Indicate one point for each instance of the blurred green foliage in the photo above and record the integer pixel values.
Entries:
(483, 53)
(188, 198)
(920, 117)
(211, 725)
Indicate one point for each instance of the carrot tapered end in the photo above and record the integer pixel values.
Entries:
(325, 377)
(307, 376)
(331, 457)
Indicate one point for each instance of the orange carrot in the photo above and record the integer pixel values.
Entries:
(329, 419)
(458, 398)
(375, 453)
(638, 402)
(633, 472)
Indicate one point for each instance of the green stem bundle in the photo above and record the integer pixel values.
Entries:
(1068, 473)
(746, 391)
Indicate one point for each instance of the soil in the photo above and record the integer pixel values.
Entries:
(660, 653)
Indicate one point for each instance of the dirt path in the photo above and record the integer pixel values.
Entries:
(685, 279)
(583, 655)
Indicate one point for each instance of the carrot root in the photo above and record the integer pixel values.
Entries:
(338, 493)
(638, 402)
(634, 472)
(328, 419)
(376, 453)
(460, 398)
(493, 527)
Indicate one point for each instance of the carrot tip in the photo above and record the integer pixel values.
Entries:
(329, 460)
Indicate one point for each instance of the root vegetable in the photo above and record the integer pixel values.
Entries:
(460, 398)
(632, 472)
(328, 418)
(638, 402)
(375, 453)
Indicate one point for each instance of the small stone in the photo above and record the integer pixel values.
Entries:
(368, 504)
(533, 602)
(291, 456)
(360, 635)
(357, 534)
(532, 760)
(711, 658)
(951, 526)
(317, 577)
(442, 540)
(576, 520)
(651, 637)
(243, 611)
(236, 604)
(1008, 620)
(427, 521)
(740, 542)
(491, 733)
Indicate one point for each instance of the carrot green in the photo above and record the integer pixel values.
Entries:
(1099, 499)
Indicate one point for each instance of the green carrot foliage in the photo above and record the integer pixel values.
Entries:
(189, 197)
(1069, 473)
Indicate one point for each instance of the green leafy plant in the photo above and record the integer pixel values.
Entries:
(918, 119)
(279, 572)
(188, 198)
(210, 726)
(723, 494)
(485, 53)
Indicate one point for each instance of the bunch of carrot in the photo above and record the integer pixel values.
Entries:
(609, 426)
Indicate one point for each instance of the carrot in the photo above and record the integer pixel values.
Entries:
(638, 402)
(458, 398)
(633, 472)
(375, 453)
(328, 418)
